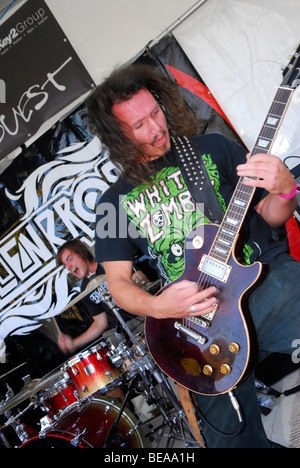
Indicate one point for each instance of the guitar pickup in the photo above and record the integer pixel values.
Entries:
(214, 268)
(212, 314)
(191, 333)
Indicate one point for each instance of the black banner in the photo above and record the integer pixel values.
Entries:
(40, 73)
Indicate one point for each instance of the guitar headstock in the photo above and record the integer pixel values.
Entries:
(292, 71)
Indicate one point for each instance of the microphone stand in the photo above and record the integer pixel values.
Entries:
(114, 426)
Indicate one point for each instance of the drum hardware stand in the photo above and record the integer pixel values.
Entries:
(149, 363)
(113, 429)
(13, 421)
(4, 440)
(79, 435)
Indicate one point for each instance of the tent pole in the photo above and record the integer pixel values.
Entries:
(176, 23)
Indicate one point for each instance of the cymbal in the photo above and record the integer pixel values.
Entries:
(29, 390)
(91, 286)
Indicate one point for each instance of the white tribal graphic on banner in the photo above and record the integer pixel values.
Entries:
(60, 199)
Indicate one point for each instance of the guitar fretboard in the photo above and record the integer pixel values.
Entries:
(241, 199)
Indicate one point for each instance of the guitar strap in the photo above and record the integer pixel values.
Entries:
(198, 182)
(196, 178)
(186, 403)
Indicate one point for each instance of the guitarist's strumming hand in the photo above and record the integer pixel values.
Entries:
(183, 299)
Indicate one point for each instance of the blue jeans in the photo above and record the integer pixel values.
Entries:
(275, 309)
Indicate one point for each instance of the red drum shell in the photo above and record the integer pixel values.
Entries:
(92, 371)
(92, 418)
(59, 396)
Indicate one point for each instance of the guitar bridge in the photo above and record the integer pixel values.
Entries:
(191, 333)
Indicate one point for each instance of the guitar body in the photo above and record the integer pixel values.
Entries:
(216, 366)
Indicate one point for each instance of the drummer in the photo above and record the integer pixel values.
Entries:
(75, 256)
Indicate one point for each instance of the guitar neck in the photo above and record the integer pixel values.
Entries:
(273, 121)
(243, 194)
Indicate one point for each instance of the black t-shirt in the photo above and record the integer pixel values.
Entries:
(96, 304)
(95, 301)
(155, 218)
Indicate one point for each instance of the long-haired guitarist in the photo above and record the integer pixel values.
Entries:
(135, 112)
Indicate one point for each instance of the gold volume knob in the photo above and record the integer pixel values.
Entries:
(214, 349)
(208, 370)
(225, 369)
(234, 348)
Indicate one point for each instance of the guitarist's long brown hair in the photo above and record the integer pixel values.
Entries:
(122, 85)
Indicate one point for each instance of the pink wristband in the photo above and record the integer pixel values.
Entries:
(292, 194)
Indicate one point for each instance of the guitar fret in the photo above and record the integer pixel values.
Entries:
(224, 242)
(257, 150)
(268, 132)
(231, 227)
(216, 256)
(272, 121)
(238, 205)
(222, 251)
(263, 143)
(235, 216)
(239, 202)
(227, 232)
(231, 221)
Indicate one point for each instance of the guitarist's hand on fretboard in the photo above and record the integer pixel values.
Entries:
(270, 173)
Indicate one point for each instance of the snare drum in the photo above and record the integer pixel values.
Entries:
(87, 425)
(92, 371)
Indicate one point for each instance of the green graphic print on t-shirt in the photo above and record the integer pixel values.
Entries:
(164, 213)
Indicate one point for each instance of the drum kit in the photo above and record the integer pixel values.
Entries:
(77, 401)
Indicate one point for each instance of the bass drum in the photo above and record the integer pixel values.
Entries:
(86, 425)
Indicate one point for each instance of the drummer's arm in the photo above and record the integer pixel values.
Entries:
(99, 325)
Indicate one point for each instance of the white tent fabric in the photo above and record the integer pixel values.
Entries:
(106, 33)
(239, 47)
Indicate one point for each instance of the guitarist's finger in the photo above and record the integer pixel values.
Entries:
(186, 288)
(185, 284)
(204, 301)
(204, 307)
(205, 294)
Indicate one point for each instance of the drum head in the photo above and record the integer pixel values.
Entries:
(87, 425)
(50, 441)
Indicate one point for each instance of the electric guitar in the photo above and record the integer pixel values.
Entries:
(211, 354)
